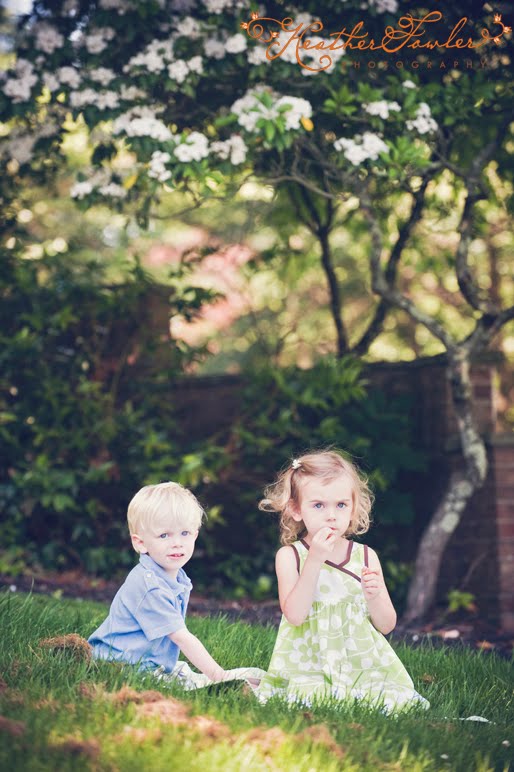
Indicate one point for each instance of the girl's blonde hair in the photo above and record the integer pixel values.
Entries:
(167, 504)
(284, 496)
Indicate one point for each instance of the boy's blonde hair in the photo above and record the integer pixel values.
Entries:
(284, 496)
(167, 504)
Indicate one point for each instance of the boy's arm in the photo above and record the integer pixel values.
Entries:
(379, 603)
(197, 654)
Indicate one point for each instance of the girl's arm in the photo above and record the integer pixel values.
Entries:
(380, 606)
(296, 593)
(197, 654)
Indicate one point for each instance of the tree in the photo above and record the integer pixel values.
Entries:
(178, 95)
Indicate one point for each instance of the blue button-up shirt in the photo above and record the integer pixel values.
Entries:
(147, 608)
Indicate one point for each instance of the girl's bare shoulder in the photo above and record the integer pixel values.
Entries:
(286, 556)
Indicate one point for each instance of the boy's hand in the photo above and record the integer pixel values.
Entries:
(323, 543)
(218, 675)
(372, 583)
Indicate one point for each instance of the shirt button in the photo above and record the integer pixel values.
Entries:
(149, 575)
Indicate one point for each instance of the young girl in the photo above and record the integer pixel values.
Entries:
(332, 593)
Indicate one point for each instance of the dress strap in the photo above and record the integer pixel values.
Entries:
(366, 560)
(297, 556)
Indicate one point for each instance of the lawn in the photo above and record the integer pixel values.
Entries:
(59, 711)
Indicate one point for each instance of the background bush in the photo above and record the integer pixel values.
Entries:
(283, 413)
(89, 413)
(79, 432)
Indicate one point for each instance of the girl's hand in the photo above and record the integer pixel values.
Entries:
(323, 543)
(372, 583)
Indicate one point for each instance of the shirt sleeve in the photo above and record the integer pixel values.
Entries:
(158, 615)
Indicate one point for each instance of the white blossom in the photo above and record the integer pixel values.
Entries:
(81, 189)
(19, 88)
(188, 27)
(113, 190)
(382, 108)
(235, 44)
(257, 55)
(141, 122)
(195, 147)
(249, 109)
(81, 98)
(101, 99)
(316, 55)
(304, 19)
(214, 49)
(195, 64)
(97, 41)
(131, 92)
(409, 84)
(20, 147)
(157, 166)
(178, 71)
(233, 148)
(298, 109)
(107, 100)
(102, 75)
(289, 55)
(47, 38)
(352, 151)
(154, 57)
(216, 6)
(373, 145)
(423, 122)
(69, 76)
(360, 149)
(150, 59)
(383, 6)
(50, 81)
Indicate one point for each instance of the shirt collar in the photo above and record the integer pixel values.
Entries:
(180, 584)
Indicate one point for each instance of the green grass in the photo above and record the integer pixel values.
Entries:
(70, 723)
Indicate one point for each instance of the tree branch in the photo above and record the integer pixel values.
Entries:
(375, 326)
(382, 288)
(486, 328)
(322, 233)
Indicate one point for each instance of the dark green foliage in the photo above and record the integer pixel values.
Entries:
(88, 414)
(83, 418)
(284, 413)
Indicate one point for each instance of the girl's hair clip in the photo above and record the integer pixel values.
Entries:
(296, 464)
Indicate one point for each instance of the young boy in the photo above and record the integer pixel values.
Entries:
(146, 622)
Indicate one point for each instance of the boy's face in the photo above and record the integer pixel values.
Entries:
(170, 546)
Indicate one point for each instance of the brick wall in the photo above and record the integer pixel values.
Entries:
(503, 469)
(480, 555)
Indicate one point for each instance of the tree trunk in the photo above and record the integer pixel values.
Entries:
(461, 486)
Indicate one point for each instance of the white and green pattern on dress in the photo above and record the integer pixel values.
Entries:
(337, 652)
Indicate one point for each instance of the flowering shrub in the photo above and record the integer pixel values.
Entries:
(177, 93)
(192, 95)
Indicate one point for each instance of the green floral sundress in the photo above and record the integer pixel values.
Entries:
(337, 652)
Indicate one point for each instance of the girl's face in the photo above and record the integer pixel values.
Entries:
(326, 503)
